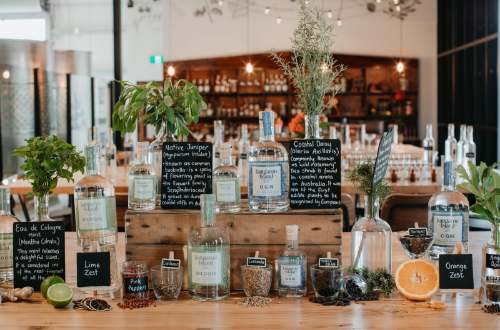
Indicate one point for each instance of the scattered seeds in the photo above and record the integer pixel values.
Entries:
(256, 281)
(255, 301)
(492, 308)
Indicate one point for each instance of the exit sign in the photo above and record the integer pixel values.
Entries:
(156, 59)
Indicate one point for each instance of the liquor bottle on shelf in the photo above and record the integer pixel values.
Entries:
(206, 86)
(218, 140)
(470, 147)
(243, 148)
(448, 218)
(450, 145)
(142, 181)
(7, 221)
(226, 182)
(292, 266)
(110, 153)
(460, 150)
(428, 145)
(208, 256)
(268, 184)
(95, 212)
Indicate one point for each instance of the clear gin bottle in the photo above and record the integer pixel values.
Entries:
(243, 148)
(292, 266)
(142, 181)
(226, 182)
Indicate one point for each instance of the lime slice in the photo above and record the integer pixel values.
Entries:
(48, 282)
(59, 295)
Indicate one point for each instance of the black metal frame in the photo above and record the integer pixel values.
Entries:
(68, 108)
(37, 105)
(117, 50)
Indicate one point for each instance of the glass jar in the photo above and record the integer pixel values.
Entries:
(311, 126)
(491, 267)
(371, 239)
(257, 281)
(167, 282)
(135, 280)
(326, 281)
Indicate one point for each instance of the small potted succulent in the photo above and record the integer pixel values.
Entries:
(46, 160)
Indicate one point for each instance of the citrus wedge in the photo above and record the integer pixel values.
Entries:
(48, 282)
(59, 295)
(417, 279)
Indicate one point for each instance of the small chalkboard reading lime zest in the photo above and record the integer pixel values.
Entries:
(456, 272)
(328, 262)
(417, 232)
(168, 263)
(93, 269)
(38, 252)
(382, 160)
(186, 174)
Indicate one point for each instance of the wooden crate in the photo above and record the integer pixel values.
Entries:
(151, 235)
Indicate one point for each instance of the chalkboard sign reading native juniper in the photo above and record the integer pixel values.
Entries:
(383, 154)
(456, 272)
(38, 252)
(186, 174)
(315, 174)
(93, 269)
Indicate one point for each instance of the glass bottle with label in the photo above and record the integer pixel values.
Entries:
(7, 221)
(95, 212)
(490, 276)
(110, 153)
(142, 181)
(450, 145)
(226, 182)
(448, 219)
(218, 140)
(243, 148)
(428, 145)
(460, 147)
(156, 156)
(208, 256)
(292, 266)
(470, 147)
(268, 184)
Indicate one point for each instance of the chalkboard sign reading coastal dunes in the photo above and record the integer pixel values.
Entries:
(186, 174)
(383, 154)
(315, 174)
(38, 252)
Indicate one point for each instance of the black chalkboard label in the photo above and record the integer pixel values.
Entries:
(136, 285)
(315, 174)
(170, 263)
(456, 272)
(38, 252)
(383, 154)
(493, 261)
(186, 174)
(328, 262)
(417, 232)
(93, 269)
(256, 262)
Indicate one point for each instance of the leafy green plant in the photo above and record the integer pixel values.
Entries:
(172, 105)
(48, 158)
(484, 183)
(312, 68)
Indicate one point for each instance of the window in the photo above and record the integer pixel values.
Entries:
(27, 29)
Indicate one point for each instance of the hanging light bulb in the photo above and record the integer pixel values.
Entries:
(306, 2)
(279, 20)
(6, 74)
(171, 71)
(400, 66)
(339, 22)
(329, 14)
(249, 67)
(267, 10)
(221, 2)
(398, 8)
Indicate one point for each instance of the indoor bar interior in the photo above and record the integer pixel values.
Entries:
(249, 164)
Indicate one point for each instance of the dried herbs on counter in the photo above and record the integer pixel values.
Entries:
(492, 309)
(379, 280)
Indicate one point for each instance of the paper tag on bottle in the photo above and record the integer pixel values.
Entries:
(447, 228)
(226, 191)
(144, 187)
(92, 214)
(266, 180)
(256, 262)
(291, 275)
(6, 250)
(170, 263)
(206, 268)
(328, 262)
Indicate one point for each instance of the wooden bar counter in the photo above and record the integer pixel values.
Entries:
(395, 312)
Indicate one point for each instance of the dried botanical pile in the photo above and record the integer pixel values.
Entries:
(255, 301)
(92, 304)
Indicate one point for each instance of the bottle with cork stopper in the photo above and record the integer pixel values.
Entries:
(292, 266)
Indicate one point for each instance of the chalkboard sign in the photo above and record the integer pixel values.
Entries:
(456, 272)
(170, 263)
(417, 232)
(38, 252)
(383, 154)
(493, 261)
(314, 174)
(93, 269)
(256, 262)
(186, 174)
(136, 285)
(328, 262)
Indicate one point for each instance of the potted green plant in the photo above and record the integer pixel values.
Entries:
(371, 236)
(46, 160)
(484, 183)
(312, 67)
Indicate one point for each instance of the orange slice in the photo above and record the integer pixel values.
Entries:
(417, 279)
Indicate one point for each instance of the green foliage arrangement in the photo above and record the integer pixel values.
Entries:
(378, 280)
(484, 183)
(171, 105)
(48, 158)
(312, 68)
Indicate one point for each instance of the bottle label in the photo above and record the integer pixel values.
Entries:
(6, 250)
(447, 227)
(493, 261)
(96, 213)
(428, 148)
(266, 180)
(470, 155)
(243, 156)
(144, 187)
(206, 268)
(291, 276)
(226, 191)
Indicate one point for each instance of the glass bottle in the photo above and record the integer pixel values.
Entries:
(41, 207)
(155, 156)
(226, 182)
(460, 145)
(490, 277)
(428, 145)
(268, 184)
(292, 266)
(95, 212)
(110, 153)
(218, 140)
(470, 147)
(450, 145)
(448, 219)
(371, 239)
(142, 181)
(208, 256)
(7, 221)
(243, 148)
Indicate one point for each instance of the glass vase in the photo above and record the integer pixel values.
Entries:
(41, 208)
(155, 156)
(490, 276)
(311, 126)
(371, 240)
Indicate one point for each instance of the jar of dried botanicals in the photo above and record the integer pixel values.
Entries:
(135, 280)
(326, 281)
(256, 276)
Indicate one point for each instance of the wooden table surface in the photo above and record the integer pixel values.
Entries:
(395, 312)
